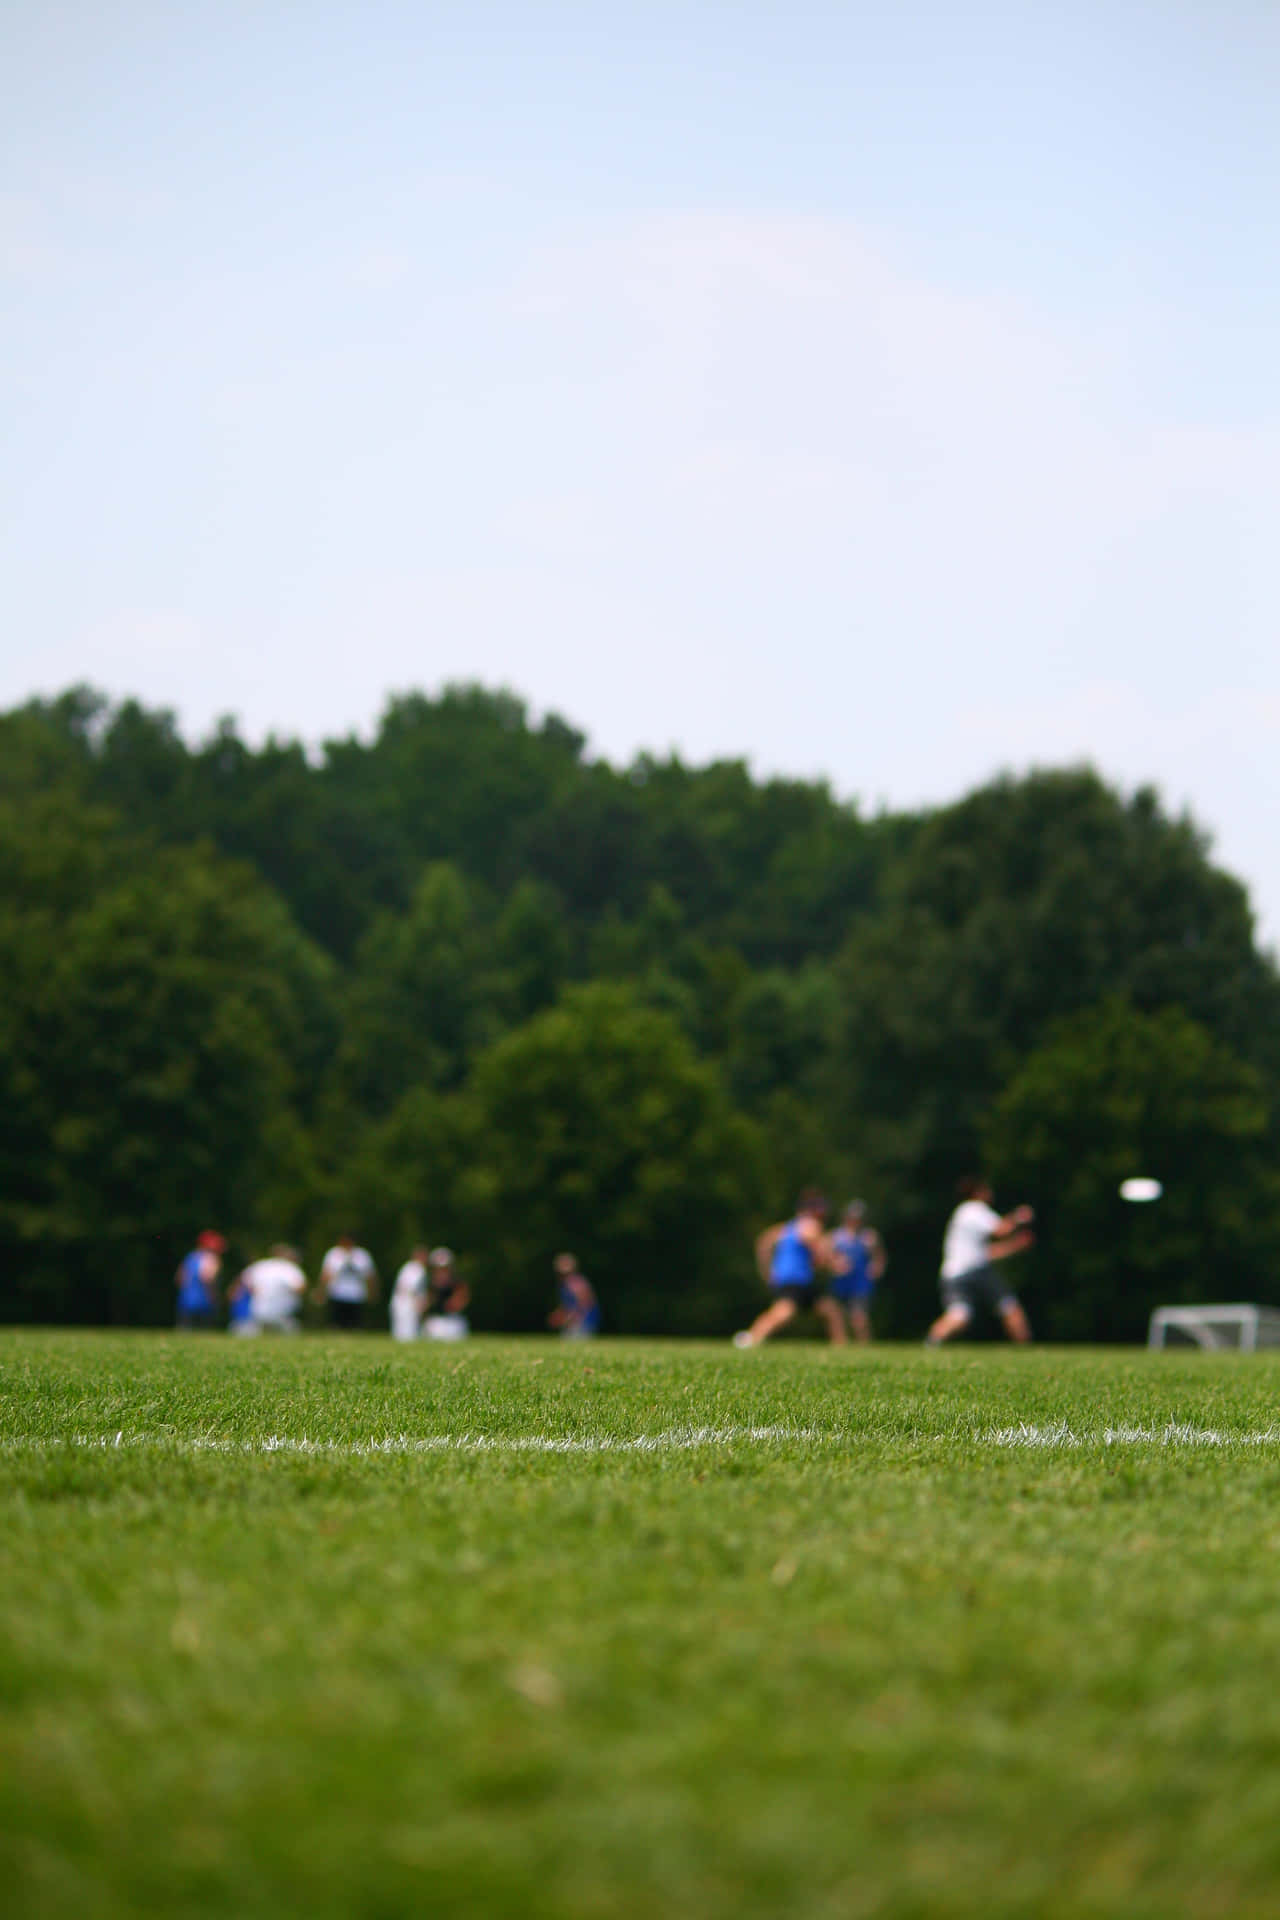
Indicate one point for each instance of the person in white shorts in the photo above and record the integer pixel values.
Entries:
(448, 1298)
(275, 1287)
(977, 1236)
(409, 1297)
(348, 1278)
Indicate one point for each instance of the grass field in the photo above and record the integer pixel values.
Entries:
(629, 1630)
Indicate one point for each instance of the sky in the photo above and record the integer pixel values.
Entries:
(885, 394)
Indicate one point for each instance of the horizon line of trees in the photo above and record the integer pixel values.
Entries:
(462, 981)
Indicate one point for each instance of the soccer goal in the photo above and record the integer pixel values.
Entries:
(1240, 1325)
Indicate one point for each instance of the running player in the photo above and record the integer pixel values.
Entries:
(348, 1278)
(196, 1282)
(859, 1261)
(409, 1296)
(578, 1314)
(788, 1257)
(977, 1236)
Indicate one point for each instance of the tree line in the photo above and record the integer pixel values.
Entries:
(464, 980)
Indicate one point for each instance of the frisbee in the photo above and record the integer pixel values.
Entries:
(1140, 1189)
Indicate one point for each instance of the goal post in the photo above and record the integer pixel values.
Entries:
(1240, 1325)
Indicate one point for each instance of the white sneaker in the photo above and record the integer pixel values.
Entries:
(743, 1339)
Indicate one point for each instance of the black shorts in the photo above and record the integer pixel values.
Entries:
(346, 1314)
(980, 1287)
(805, 1295)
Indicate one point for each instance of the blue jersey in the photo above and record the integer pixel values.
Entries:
(855, 1281)
(792, 1262)
(195, 1290)
(583, 1318)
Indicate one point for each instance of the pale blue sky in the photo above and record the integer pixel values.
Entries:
(885, 393)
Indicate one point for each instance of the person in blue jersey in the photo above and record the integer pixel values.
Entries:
(578, 1314)
(858, 1261)
(196, 1282)
(240, 1308)
(789, 1257)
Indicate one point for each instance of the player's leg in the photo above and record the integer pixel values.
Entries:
(831, 1313)
(1014, 1319)
(860, 1321)
(774, 1316)
(957, 1312)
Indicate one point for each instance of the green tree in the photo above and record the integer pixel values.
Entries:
(599, 1129)
(1026, 902)
(407, 1180)
(1112, 1092)
(415, 1008)
(159, 1037)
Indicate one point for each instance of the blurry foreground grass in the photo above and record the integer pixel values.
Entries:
(887, 1633)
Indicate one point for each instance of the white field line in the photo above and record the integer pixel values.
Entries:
(1058, 1434)
(677, 1440)
(1174, 1434)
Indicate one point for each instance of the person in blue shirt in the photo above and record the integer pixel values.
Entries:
(240, 1308)
(858, 1260)
(196, 1282)
(578, 1314)
(789, 1257)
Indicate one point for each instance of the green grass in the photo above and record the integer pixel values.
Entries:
(870, 1661)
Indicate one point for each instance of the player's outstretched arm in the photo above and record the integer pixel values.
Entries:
(765, 1245)
(878, 1258)
(1013, 1222)
(1008, 1244)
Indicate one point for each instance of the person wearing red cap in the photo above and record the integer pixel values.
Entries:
(197, 1283)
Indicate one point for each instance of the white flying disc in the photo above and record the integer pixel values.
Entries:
(1140, 1189)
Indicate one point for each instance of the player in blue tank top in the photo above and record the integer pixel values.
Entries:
(577, 1316)
(859, 1260)
(197, 1282)
(789, 1256)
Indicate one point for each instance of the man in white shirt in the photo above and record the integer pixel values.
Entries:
(348, 1278)
(409, 1297)
(977, 1236)
(275, 1287)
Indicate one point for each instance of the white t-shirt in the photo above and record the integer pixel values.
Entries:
(967, 1245)
(347, 1271)
(275, 1287)
(411, 1281)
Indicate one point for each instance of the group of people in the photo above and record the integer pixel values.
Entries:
(429, 1299)
(804, 1266)
(835, 1274)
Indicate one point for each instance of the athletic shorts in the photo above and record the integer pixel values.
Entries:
(981, 1287)
(852, 1293)
(346, 1314)
(804, 1293)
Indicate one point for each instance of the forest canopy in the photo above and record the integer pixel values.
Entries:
(464, 981)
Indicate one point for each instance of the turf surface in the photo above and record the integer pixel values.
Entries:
(521, 1628)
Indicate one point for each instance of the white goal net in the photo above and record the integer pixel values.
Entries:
(1240, 1325)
